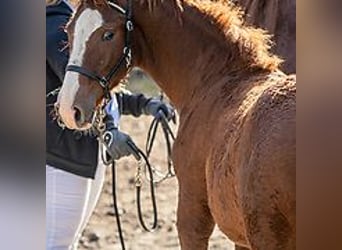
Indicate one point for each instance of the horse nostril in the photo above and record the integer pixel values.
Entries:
(78, 116)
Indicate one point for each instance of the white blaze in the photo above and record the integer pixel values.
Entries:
(87, 23)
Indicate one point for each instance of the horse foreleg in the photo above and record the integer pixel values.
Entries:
(195, 223)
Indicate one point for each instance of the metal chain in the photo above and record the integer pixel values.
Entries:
(138, 175)
(98, 122)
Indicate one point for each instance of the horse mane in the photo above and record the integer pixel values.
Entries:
(150, 4)
(254, 44)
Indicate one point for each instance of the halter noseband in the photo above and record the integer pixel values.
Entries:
(126, 54)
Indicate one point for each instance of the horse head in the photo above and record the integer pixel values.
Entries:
(100, 56)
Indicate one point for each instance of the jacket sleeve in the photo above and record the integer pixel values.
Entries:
(56, 40)
(132, 104)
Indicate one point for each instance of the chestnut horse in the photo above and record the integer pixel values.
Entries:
(279, 18)
(235, 153)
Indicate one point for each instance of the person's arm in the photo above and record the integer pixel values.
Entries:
(112, 114)
(138, 104)
(131, 104)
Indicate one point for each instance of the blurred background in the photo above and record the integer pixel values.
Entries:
(22, 144)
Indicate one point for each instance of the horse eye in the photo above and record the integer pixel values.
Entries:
(107, 36)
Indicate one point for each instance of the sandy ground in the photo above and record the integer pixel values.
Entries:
(101, 232)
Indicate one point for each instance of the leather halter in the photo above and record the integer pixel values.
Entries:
(104, 81)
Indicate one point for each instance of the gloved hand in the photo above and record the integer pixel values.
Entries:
(119, 144)
(154, 106)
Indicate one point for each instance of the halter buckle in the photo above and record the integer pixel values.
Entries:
(103, 82)
(129, 25)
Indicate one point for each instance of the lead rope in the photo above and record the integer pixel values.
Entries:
(161, 119)
(142, 161)
(138, 184)
(101, 127)
(168, 135)
(115, 205)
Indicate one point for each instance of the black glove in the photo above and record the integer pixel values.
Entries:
(154, 106)
(119, 144)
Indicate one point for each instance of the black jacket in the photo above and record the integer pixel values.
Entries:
(65, 149)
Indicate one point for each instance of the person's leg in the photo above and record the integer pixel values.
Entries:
(95, 191)
(66, 198)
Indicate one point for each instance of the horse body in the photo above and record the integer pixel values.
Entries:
(234, 155)
(239, 178)
(235, 151)
(251, 172)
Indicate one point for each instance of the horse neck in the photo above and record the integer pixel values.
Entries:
(182, 58)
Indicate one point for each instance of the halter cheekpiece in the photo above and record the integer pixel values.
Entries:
(126, 56)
